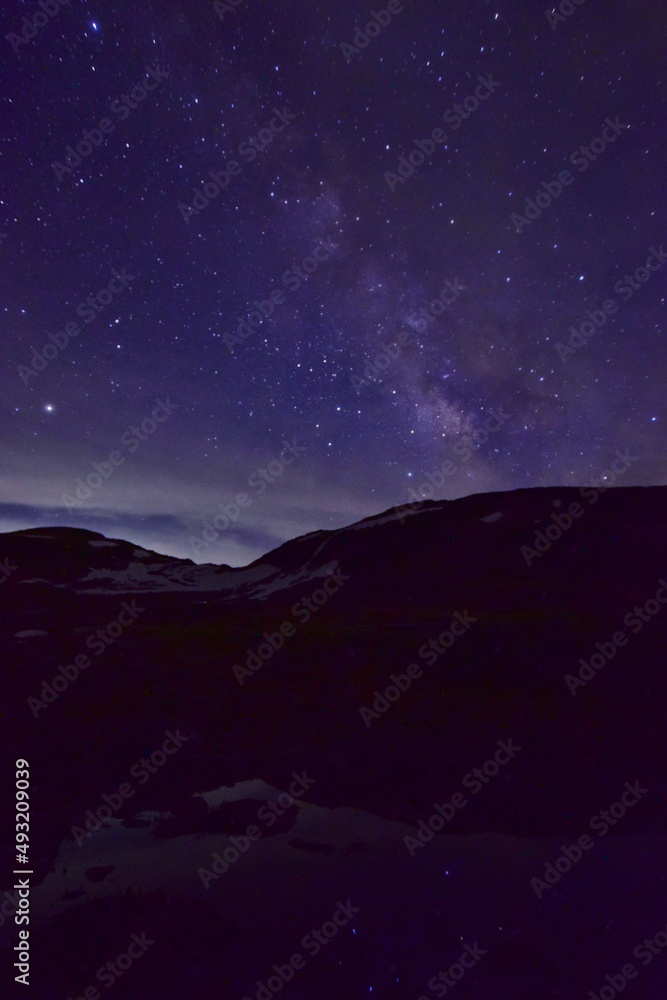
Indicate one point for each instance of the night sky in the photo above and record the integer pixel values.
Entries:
(306, 135)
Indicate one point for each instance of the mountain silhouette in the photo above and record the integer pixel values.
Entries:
(386, 661)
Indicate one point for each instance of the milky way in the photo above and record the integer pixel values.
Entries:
(304, 223)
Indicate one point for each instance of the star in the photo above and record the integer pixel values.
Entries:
(377, 321)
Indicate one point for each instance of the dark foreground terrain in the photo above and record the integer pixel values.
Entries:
(256, 814)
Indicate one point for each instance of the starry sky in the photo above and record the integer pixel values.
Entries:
(359, 181)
